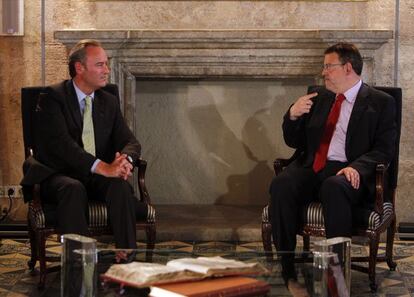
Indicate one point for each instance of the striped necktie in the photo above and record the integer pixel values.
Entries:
(88, 136)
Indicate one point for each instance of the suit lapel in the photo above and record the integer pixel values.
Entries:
(360, 105)
(74, 105)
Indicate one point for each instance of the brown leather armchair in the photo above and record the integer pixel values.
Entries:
(368, 223)
(41, 217)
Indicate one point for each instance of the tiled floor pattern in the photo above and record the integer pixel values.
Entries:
(16, 280)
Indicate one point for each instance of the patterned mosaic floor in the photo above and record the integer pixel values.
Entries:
(15, 279)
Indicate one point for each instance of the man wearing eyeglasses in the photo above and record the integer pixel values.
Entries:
(342, 130)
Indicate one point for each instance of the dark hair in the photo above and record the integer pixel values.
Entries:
(78, 54)
(347, 52)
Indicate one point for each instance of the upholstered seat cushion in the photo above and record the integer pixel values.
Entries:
(98, 215)
(364, 218)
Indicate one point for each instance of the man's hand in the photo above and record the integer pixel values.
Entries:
(301, 106)
(127, 167)
(351, 175)
(120, 167)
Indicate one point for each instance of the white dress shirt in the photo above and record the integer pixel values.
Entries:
(336, 150)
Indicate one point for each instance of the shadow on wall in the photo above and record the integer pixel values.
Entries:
(229, 153)
(262, 141)
(224, 150)
(254, 184)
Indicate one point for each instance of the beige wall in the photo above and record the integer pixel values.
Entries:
(405, 195)
(20, 56)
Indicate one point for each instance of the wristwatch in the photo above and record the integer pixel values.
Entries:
(130, 160)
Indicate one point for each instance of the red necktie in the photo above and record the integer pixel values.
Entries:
(322, 152)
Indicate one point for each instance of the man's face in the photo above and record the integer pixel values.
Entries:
(94, 71)
(334, 73)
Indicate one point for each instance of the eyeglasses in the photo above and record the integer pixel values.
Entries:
(328, 67)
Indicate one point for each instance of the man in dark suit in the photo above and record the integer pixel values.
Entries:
(343, 130)
(83, 138)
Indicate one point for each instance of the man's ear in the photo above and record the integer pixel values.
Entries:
(349, 68)
(79, 67)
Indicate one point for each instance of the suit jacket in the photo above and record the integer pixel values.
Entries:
(370, 137)
(59, 133)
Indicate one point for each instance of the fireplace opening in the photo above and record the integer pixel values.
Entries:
(212, 142)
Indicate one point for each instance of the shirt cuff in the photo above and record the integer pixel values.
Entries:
(93, 168)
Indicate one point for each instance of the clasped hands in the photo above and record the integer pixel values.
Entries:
(120, 167)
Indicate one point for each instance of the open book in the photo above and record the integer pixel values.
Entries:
(138, 274)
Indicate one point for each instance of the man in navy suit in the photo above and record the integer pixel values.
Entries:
(343, 131)
(88, 168)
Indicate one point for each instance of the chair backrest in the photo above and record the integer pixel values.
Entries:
(29, 101)
(396, 93)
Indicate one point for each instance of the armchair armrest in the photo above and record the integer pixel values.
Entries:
(279, 164)
(144, 196)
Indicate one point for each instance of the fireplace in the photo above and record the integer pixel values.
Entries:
(207, 104)
(213, 141)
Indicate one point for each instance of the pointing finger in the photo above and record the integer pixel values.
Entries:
(311, 95)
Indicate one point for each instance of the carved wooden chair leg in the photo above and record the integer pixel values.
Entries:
(267, 240)
(33, 249)
(373, 252)
(151, 234)
(42, 259)
(390, 245)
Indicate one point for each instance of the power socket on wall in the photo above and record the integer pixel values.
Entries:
(6, 205)
(16, 191)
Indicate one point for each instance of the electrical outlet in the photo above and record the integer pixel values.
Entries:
(17, 191)
(11, 191)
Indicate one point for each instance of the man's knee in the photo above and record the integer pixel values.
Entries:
(73, 191)
(72, 184)
(120, 185)
(333, 184)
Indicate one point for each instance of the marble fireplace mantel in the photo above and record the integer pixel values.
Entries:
(222, 53)
(267, 53)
